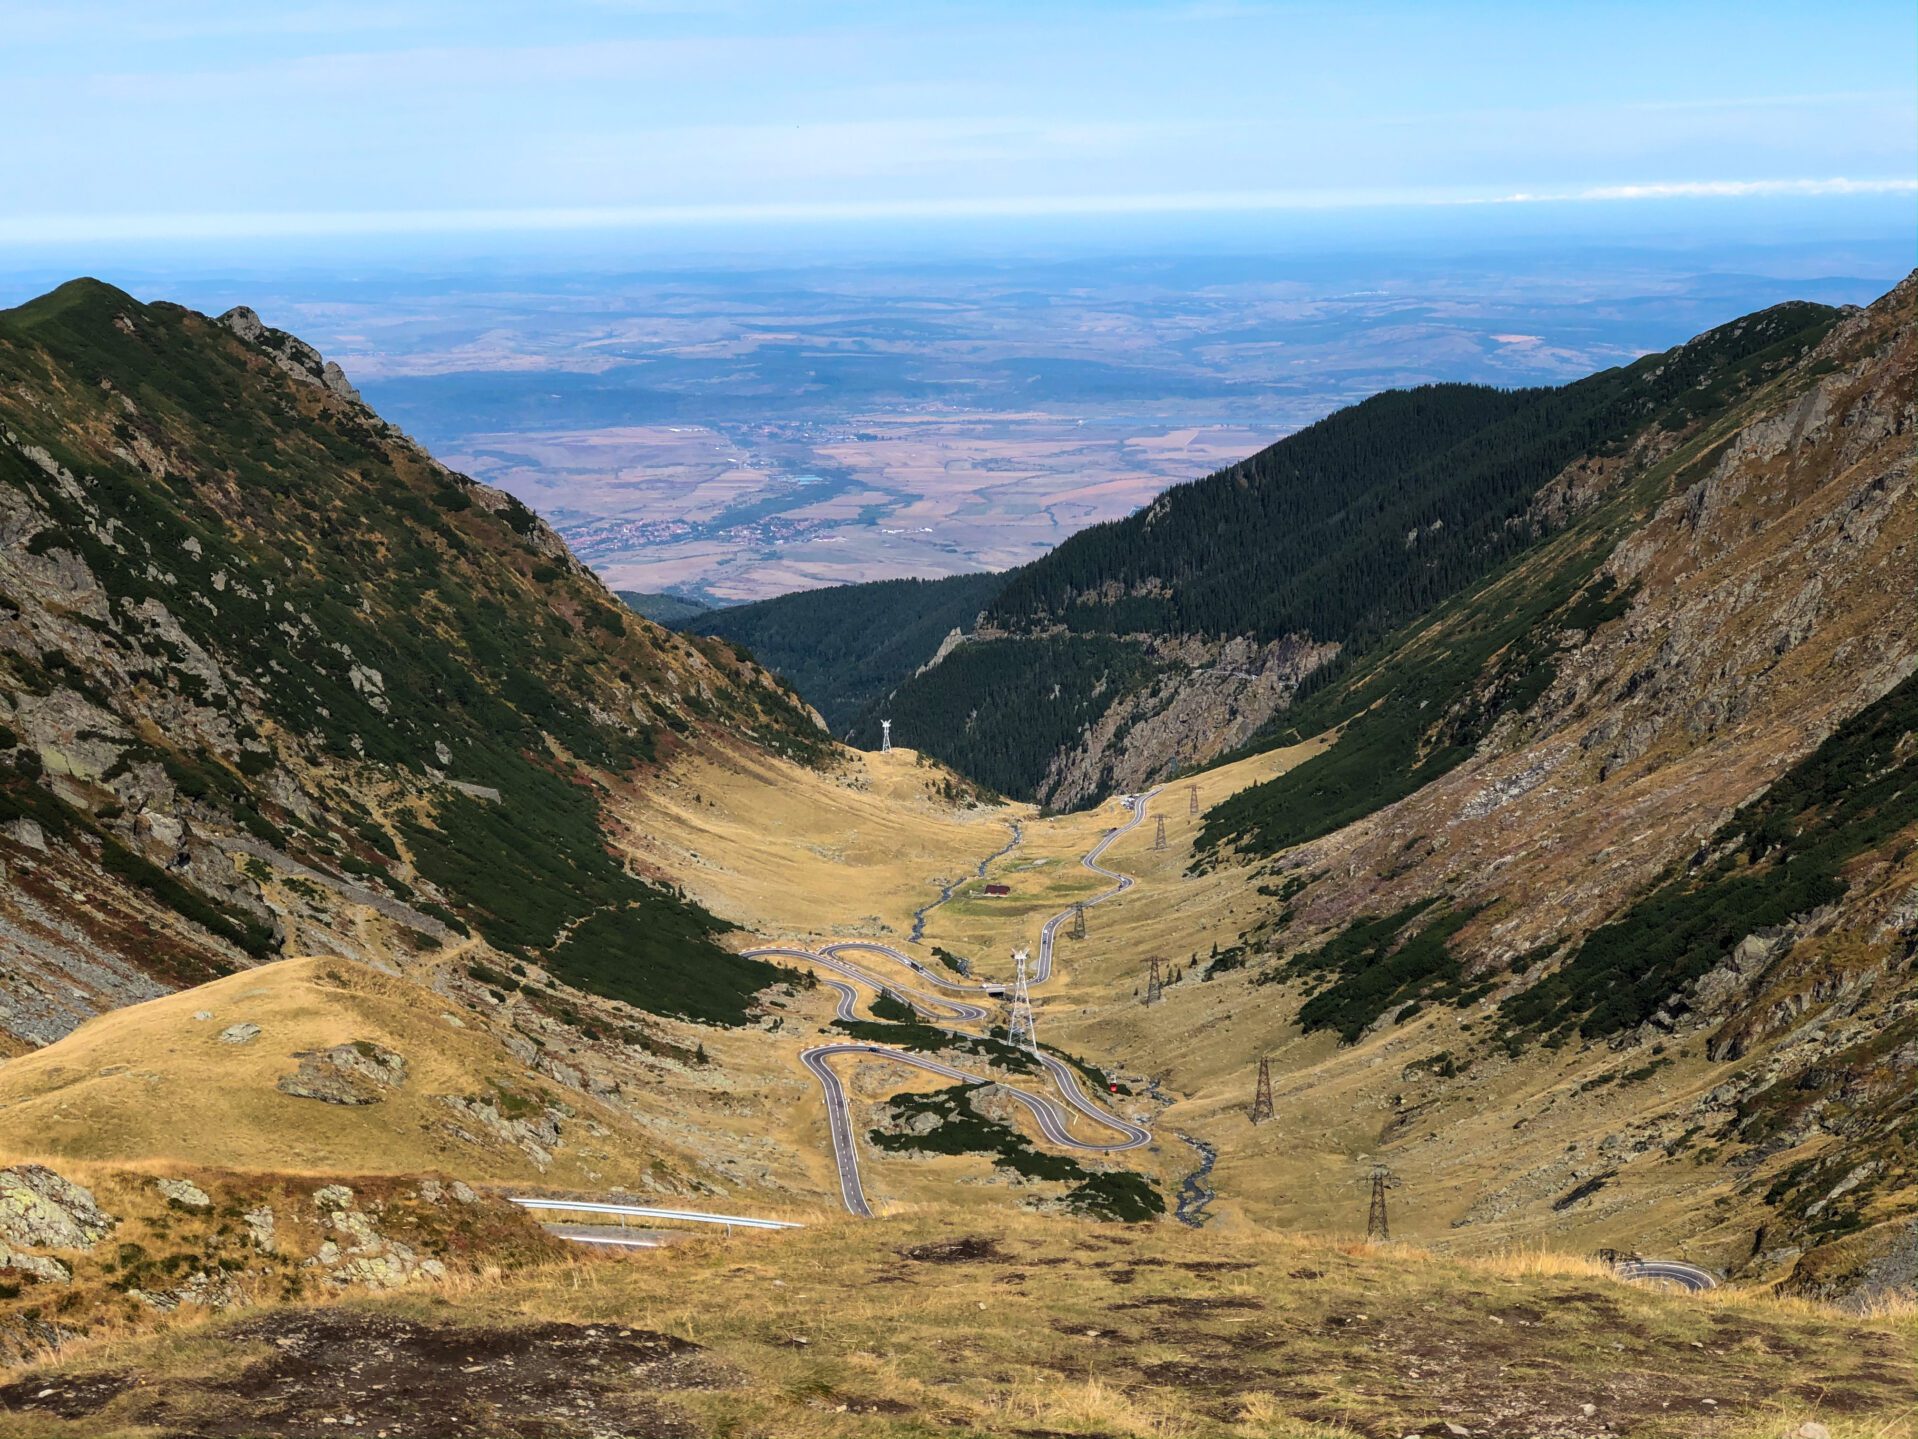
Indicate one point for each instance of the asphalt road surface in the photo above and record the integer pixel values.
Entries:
(1043, 971)
(930, 1005)
(1053, 1117)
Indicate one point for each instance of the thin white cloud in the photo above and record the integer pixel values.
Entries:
(204, 225)
(1715, 189)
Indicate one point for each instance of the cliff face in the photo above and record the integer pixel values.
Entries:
(275, 680)
(1208, 698)
(1741, 727)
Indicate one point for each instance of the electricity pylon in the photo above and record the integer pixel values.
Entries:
(1154, 986)
(1158, 837)
(1079, 921)
(1377, 1225)
(1262, 1097)
(885, 736)
(1192, 800)
(1019, 1031)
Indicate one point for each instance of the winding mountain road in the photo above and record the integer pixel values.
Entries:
(1043, 970)
(1053, 1117)
(931, 1006)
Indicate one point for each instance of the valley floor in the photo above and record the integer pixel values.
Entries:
(976, 1302)
(1482, 1158)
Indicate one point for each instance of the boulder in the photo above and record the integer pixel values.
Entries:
(51, 1271)
(355, 1073)
(186, 1195)
(43, 1211)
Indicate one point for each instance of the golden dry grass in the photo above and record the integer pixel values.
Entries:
(153, 1083)
(937, 1323)
(789, 853)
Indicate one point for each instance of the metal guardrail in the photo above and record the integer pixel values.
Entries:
(637, 1211)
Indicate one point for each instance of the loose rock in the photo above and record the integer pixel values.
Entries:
(40, 1209)
(184, 1194)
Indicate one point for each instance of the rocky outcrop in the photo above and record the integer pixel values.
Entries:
(41, 1267)
(1215, 697)
(290, 353)
(184, 1194)
(41, 1210)
(358, 1253)
(351, 1074)
(535, 1133)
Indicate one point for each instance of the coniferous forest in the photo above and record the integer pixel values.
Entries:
(1345, 531)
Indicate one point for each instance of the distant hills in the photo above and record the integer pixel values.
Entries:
(1184, 631)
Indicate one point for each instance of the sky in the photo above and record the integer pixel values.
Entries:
(211, 124)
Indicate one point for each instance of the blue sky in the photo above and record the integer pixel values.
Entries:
(195, 123)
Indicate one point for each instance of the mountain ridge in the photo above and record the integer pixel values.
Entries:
(245, 611)
(1206, 612)
(1584, 900)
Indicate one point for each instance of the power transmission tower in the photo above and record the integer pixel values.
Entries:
(1158, 838)
(1262, 1098)
(1377, 1226)
(1192, 800)
(1154, 986)
(1078, 921)
(1019, 1031)
(885, 736)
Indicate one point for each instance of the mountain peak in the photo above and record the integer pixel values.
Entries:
(82, 293)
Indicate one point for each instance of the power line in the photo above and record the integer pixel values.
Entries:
(1378, 1227)
(1019, 1031)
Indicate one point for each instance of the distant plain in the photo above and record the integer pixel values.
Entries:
(738, 431)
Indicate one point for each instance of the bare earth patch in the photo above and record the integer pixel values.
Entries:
(1241, 1335)
(334, 1370)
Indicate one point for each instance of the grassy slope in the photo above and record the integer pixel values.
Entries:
(1783, 855)
(80, 1100)
(1040, 1325)
(337, 545)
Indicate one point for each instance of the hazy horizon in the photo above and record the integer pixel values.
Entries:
(736, 428)
(747, 298)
